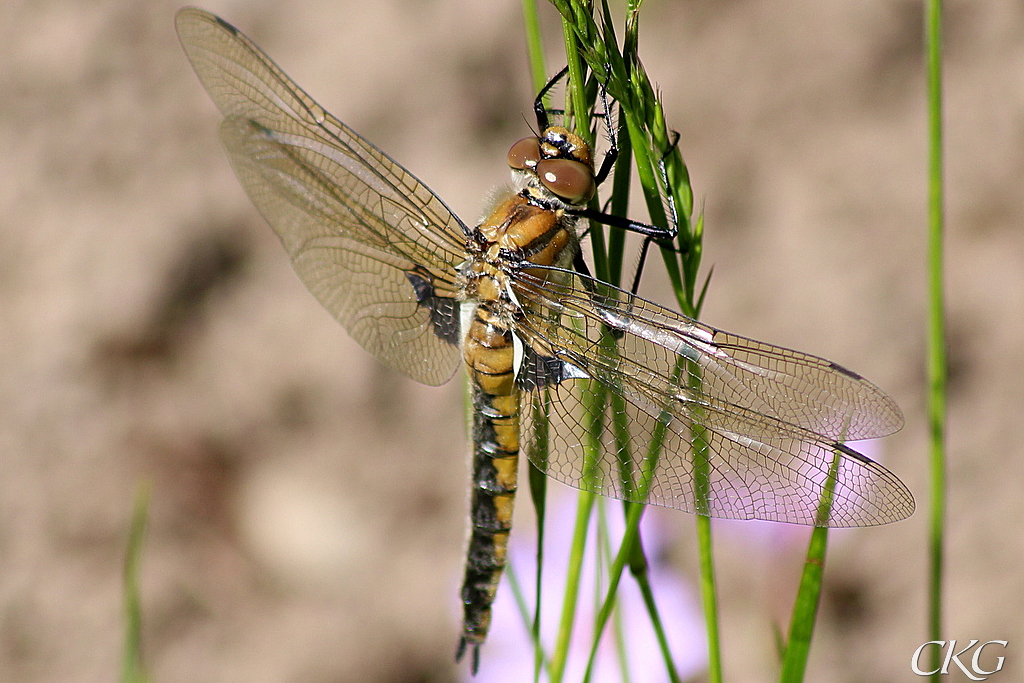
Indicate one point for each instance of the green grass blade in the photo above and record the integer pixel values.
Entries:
(578, 111)
(132, 667)
(534, 45)
(605, 560)
(537, 480)
(538, 449)
(662, 176)
(619, 202)
(709, 597)
(519, 595)
(631, 553)
(805, 608)
(642, 577)
(936, 326)
(560, 652)
(629, 540)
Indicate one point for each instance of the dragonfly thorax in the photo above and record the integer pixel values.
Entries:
(530, 225)
(519, 232)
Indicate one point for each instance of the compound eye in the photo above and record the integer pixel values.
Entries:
(525, 154)
(570, 180)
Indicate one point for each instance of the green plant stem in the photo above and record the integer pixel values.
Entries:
(936, 326)
(642, 578)
(578, 108)
(709, 598)
(622, 557)
(805, 609)
(664, 182)
(534, 45)
(537, 480)
(524, 611)
(643, 118)
(132, 667)
(560, 653)
(603, 559)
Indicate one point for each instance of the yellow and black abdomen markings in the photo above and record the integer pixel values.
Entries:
(517, 234)
(490, 356)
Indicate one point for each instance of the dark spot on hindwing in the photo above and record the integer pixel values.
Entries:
(444, 311)
(537, 371)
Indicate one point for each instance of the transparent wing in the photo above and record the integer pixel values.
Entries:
(374, 245)
(649, 406)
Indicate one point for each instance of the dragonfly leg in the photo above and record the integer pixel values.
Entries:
(538, 104)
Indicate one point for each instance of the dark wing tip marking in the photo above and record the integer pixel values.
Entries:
(845, 371)
(225, 25)
(186, 13)
(899, 503)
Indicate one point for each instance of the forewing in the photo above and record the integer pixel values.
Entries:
(649, 406)
(375, 246)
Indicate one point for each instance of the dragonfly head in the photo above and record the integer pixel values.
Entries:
(561, 162)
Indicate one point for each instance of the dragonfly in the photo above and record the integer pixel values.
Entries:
(605, 391)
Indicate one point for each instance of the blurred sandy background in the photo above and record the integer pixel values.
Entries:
(308, 510)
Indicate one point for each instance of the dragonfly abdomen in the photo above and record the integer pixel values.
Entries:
(490, 356)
